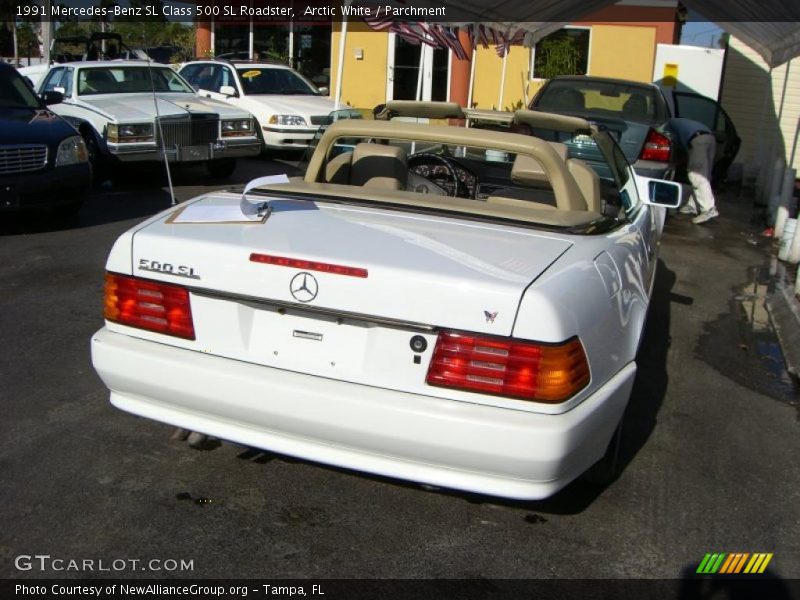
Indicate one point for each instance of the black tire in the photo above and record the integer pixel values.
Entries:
(260, 135)
(221, 168)
(99, 172)
(606, 470)
(68, 211)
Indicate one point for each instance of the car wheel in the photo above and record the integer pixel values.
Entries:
(606, 470)
(66, 211)
(221, 168)
(95, 158)
(265, 153)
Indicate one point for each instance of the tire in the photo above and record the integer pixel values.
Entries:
(68, 211)
(606, 470)
(221, 168)
(264, 154)
(99, 172)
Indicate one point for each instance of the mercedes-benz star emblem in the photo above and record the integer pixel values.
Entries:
(303, 287)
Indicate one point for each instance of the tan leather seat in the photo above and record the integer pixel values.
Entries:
(588, 182)
(379, 166)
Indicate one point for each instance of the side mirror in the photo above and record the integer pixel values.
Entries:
(658, 192)
(228, 90)
(52, 98)
(324, 91)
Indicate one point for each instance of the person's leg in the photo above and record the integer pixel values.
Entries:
(701, 156)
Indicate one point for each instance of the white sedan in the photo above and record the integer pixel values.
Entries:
(465, 316)
(288, 108)
(137, 111)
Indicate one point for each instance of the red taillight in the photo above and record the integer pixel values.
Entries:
(308, 265)
(148, 305)
(656, 147)
(542, 372)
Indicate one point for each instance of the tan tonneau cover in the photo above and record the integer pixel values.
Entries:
(529, 213)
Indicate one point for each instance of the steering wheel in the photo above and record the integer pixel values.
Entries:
(421, 158)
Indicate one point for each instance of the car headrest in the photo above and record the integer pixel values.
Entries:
(379, 165)
(529, 171)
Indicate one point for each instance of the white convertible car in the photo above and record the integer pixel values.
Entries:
(464, 315)
(118, 100)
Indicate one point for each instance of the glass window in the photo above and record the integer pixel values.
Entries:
(706, 111)
(53, 80)
(312, 52)
(14, 91)
(601, 98)
(128, 80)
(202, 76)
(563, 52)
(231, 41)
(260, 80)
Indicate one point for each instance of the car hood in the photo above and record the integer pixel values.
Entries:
(305, 106)
(137, 107)
(425, 269)
(32, 126)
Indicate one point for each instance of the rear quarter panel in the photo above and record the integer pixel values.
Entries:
(598, 291)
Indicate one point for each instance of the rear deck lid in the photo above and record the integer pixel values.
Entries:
(412, 268)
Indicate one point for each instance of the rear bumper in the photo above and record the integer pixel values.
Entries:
(45, 188)
(471, 447)
(656, 170)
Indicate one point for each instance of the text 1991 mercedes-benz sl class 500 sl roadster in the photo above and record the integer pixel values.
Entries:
(453, 306)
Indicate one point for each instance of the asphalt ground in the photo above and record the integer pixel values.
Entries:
(710, 450)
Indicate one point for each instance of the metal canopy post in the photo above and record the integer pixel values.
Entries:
(340, 65)
(503, 79)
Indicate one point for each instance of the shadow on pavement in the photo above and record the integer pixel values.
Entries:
(137, 192)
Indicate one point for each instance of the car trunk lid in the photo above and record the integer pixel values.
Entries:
(422, 269)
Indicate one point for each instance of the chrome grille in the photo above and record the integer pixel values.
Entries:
(22, 158)
(190, 133)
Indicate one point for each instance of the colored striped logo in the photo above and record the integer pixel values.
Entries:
(732, 563)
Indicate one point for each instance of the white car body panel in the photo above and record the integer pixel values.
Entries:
(334, 379)
(100, 110)
(35, 73)
(263, 106)
(423, 438)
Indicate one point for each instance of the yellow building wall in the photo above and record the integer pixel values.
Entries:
(364, 81)
(488, 73)
(622, 51)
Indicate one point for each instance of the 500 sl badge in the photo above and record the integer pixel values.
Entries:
(161, 267)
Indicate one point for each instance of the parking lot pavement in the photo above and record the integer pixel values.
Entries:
(710, 447)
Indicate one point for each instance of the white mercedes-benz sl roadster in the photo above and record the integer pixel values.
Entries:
(455, 306)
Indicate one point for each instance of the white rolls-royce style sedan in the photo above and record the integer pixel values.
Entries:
(137, 111)
(466, 315)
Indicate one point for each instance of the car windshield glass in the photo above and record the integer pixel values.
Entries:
(261, 80)
(15, 92)
(599, 98)
(127, 80)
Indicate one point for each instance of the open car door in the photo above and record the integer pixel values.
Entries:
(712, 115)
